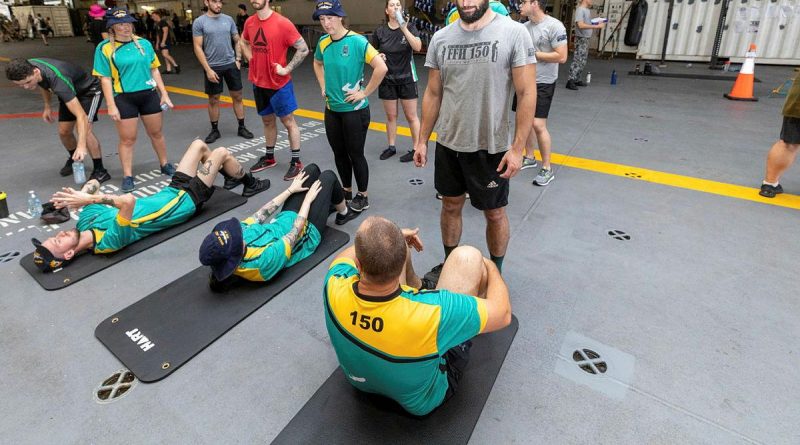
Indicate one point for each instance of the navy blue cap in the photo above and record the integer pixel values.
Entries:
(118, 15)
(328, 7)
(223, 248)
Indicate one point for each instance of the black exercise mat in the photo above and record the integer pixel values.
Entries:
(221, 201)
(338, 413)
(165, 329)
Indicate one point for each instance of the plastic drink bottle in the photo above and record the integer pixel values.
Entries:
(588, 78)
(398, 15)
(78, 172)
(34, 205)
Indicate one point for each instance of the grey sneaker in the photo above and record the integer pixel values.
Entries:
(544, 177)
(528, 163)
(359, 203)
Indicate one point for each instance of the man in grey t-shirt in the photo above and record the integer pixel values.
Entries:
(212, 34)
(475, 65)
(583, 32)
(550, 40)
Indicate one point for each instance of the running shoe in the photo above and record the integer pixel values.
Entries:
(294, 169)
(231, 183)
(262, 164)
(100, 174)
(408, 157)
(544, 177)
(168, 169)
(528, 163)
(66, 170)
(349, 216)
(359, 203)
(245, 133)
(259, 186)
(177, 69)
(769, 191)
(388, 153)
(213, 136)
(127, 184)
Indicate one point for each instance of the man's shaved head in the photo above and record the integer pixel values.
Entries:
(380, 249)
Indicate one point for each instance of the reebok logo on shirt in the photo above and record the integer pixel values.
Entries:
(260, 44)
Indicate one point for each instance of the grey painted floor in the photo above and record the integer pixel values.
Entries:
(701, 302)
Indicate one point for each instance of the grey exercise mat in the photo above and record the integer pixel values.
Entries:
(340, 414)
(86, 265)
(164, 330)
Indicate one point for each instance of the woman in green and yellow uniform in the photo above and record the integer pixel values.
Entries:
(132, 86)
(339, 66)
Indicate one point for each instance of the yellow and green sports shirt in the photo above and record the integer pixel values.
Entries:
(344, 61)
(128, 67)
(151, 214)
(394, 345)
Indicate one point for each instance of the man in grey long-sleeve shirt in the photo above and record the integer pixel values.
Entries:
(583, 32)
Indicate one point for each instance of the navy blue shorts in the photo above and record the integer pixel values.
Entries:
(280, 102)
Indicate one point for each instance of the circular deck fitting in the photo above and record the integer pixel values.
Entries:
(165, 365)
(640, 139)
(589, 361)
(114, 387)
(416, 181)
(633, 175)
(619, 235)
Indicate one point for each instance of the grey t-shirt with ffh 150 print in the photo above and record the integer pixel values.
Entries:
(477, 85)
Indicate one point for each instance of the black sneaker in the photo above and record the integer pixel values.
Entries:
(294, 169)
(231, 183)
(431, 279)
(571, 85)
(245, 133)
(259, 186)
(177, 69)
(262, 164)
(359, 203)
(66, 170)
(769, 191)
(101, 175)
(580, 83)
(388, 153)
(213, 136)
(349, 216)
(408, 157)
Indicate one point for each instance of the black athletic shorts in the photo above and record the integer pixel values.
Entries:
(544, 97)
(456, 359)
(139, 103)
(790, 131)
(197, 190)
(226, 73)
(393, 92)
(475, 173)
(90, 104)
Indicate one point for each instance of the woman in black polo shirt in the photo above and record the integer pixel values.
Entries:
(397, 43)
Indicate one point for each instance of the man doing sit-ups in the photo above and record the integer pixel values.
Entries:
(110, 222)
(262, 245)
(406, 344)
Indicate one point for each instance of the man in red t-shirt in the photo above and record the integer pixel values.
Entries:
(266, 37)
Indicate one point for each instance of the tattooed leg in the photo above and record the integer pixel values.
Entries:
(207, 172)
(196, 153)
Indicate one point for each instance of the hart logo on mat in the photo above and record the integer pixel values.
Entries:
(143, 342)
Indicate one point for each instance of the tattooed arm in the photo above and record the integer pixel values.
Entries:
(301, 51)
(69, 197)
(293, 236)
(263, 214)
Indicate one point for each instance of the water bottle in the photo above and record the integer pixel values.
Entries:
(34, 205)
(613, 77)
(398, 15)
(588, 78)
(164, 107)
(78, 172)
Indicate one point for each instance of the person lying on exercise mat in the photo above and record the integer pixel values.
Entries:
(110, 222)
(391, 339)
(262, 245)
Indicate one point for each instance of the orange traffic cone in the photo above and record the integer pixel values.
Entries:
(743, 87)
